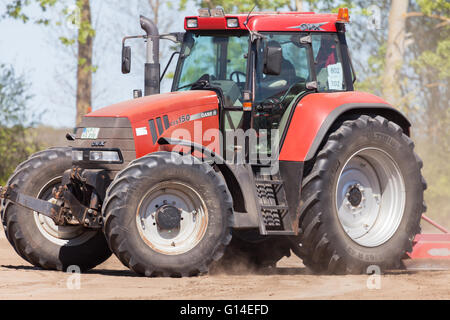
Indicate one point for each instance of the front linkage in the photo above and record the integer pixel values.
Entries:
(65, 208)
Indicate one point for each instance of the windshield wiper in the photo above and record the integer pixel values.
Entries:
(188, 85)
(200, 83)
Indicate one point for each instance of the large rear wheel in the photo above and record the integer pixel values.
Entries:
(363, 199)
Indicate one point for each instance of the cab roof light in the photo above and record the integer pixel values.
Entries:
(192, 23)
(343, 15)
(217, 12)
(204, 12)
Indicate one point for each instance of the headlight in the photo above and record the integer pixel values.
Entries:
(232, 23)
(77, 155)
(109, 156)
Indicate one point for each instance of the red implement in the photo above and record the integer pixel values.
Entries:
(432, 246)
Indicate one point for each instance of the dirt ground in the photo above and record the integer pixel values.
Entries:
(290, 280)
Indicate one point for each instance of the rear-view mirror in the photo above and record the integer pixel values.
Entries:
(126, 59)
(273, 58)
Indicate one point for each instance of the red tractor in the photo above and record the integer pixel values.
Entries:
(261, 148)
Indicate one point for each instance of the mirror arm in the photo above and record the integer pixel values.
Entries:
(176, 37)
(132, 37)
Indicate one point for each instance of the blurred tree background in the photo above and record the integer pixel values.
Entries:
(17, 141)
(400, 49)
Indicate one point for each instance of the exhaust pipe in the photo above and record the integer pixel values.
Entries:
(152, 65)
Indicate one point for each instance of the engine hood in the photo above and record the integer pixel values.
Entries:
(152, 106)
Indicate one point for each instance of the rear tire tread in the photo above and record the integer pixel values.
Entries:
(317, 252)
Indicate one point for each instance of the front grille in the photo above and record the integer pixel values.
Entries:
(115, 133)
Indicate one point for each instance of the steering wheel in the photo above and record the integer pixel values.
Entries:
(237, 73)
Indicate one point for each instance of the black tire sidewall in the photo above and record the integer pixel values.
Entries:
(381, 137)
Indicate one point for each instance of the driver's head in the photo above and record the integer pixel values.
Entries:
(327, 53)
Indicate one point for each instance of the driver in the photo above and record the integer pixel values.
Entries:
(326, 56)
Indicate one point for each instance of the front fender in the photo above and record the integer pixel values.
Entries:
(313, 117)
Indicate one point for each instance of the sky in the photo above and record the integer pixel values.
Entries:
(49, 67)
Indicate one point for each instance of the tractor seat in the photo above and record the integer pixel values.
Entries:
(275, 85)
(284, 80)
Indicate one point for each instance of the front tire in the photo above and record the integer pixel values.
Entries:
(35, 237)
(168, 215)
(362, 201)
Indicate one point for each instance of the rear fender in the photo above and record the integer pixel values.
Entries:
(315, 115)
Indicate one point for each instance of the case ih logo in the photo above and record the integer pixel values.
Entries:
(179, 120)
(98, 143)
(310, 26)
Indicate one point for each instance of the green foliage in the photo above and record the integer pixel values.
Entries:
(429, 7)
(16, 141)
(438, 61)
(16, 9)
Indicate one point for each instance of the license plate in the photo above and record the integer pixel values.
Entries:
(90, 133)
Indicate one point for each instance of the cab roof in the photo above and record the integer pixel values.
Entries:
(270, 21)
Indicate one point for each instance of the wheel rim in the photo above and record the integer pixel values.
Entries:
(370, 197)
(60, 235)
(172, 218)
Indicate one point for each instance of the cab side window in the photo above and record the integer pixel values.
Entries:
(328, 62)
(295, 70)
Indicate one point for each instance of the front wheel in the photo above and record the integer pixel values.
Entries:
(168, 215)
(362, 201)
(37, 238)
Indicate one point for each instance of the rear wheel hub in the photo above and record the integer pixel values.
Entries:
(168, 217)
(354, 196)
(172, 218)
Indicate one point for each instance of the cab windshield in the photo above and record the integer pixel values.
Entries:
(219, 59)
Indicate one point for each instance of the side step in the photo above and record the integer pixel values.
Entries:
(281, 208)
(269, 182)
(272, 204)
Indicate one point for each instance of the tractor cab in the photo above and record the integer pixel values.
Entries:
(259, 63)
(262, 64)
